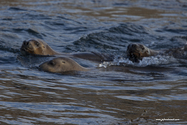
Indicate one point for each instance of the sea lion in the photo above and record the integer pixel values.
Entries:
(61, 65)
(39, 47)
(135, 52)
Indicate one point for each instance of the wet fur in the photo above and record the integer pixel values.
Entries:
(61, 65)
(136, 52)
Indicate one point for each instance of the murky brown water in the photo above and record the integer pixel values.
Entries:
(118, 92)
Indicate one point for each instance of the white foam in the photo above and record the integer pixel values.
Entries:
(146, 61)
(156, 60)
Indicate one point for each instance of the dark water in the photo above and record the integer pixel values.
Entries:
(117, 92)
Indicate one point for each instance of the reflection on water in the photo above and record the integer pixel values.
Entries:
(117, 92)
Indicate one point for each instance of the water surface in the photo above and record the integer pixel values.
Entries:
(117, 92)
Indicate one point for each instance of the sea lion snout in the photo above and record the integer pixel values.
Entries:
(25, 42)
(26, 46)
(132, 47)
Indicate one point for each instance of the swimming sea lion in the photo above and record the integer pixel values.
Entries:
(135, 52)
(61, 65)
(39, 47)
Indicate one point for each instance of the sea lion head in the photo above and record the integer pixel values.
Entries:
(61, 65)
(135, 52)
(36, 47)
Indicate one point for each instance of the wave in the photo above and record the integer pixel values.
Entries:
(116, 39)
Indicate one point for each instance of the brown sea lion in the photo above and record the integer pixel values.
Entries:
(61, 65)
(39, 47)
(136, 52)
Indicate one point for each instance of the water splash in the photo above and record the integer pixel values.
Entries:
(146, 61)
(156, 61)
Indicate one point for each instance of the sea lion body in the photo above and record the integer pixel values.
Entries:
(39, 47)
(61, 65)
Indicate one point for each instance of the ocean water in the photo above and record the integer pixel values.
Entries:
(153, 91)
